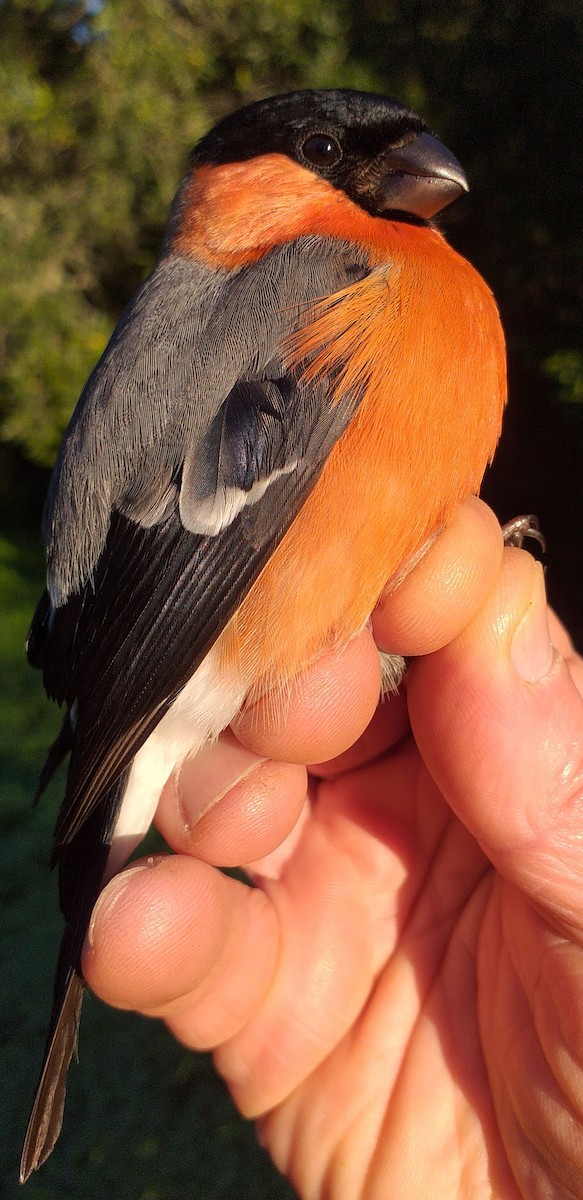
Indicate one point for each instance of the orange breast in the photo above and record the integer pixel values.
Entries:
(423, 330)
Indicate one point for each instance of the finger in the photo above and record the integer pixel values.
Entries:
(250, 971)
(230, 805)
(323, 712)
(333, 913)
(499, 722)
(438, 598)
(171, 933)
(227, 806)
(389, 725)
(561, 638)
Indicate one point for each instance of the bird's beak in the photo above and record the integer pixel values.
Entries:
(420, 178)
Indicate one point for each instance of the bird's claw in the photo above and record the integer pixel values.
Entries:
(518, 529)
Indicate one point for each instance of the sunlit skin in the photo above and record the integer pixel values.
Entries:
(400, 999)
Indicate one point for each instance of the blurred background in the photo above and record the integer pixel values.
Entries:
(101, 102)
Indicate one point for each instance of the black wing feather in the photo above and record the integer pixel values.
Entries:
(124, 643)
(127, 672)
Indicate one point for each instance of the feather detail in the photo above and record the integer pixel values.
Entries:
(421, 342)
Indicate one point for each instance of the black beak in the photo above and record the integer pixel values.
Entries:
(420, 178)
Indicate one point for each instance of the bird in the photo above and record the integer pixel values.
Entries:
(295, 401)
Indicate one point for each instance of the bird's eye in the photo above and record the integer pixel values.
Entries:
(321, 150)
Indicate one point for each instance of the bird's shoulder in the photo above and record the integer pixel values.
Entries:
(196, 349)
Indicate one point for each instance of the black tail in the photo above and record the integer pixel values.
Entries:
(46, 1117)
(82, 863)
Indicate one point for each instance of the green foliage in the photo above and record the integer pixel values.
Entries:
(566, 369)
(93, 140)
(26, 720)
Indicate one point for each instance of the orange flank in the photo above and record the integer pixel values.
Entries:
(422, 334)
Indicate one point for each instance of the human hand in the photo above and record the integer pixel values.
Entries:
(400, 999)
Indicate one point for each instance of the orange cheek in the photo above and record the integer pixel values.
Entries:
(234, 213)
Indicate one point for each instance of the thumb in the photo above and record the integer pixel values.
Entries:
(499, 722)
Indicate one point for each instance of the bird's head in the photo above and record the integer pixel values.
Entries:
(277, 167)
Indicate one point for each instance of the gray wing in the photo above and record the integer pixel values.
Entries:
(192, 450)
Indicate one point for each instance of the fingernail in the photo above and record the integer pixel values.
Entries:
(204, 780)
(532, 651)
(112, 892)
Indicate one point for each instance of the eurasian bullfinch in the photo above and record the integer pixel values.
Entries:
(300, 394)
